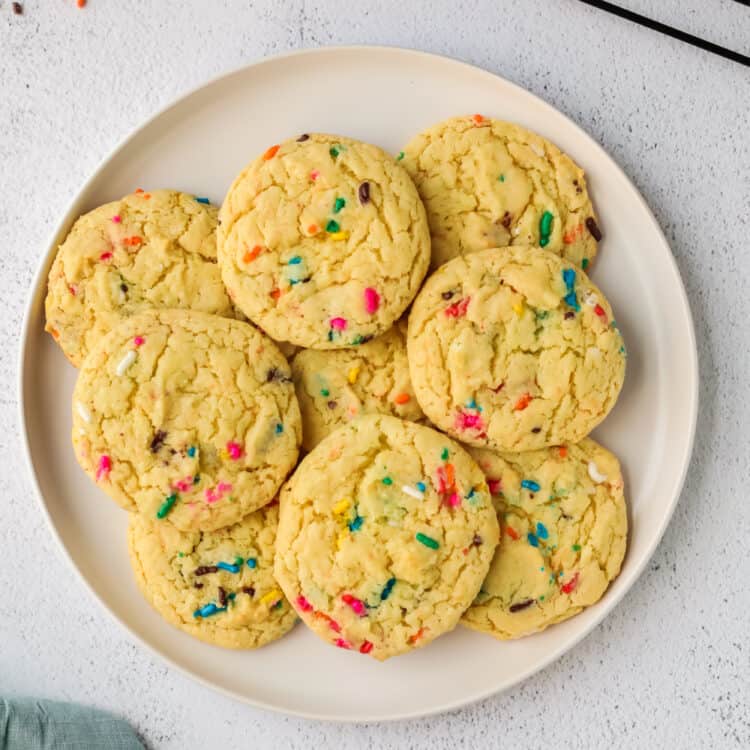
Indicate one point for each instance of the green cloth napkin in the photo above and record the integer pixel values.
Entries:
(29, 724)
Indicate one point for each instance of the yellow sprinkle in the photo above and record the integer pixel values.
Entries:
(342, 506)
(224, 454)
(518, 308)
(353, 375)
(339, 236)
(271, 596)
(343, 536)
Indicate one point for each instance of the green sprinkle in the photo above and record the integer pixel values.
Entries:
(333, 151)
(387, 480)
(541, 598)
(231, 596)
(359, 339)
(279, 604)
(428, 541)
(239, 560)
(400, 156)
(576, 548)
(585, 263)
(545, 228)
(325, 392)
(339, 203)
(166, 506)
(333, 226)
(501, 178)
(444, 455)
(180, 554)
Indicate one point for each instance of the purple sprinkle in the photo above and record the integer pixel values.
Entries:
(364, 193)
(521, 605)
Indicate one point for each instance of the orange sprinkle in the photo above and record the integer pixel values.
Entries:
(276, 293)
(562, 451)
(138, 191)
(271, 152)
(450, 475)
(146, 196)
(522, 402)
(402, 398)
(573, 234)
(251, 255)
(132, 241)
(511, 532)
(313, 229)
(477, 119)
(55, 333)
(417, 635)
(81, 3)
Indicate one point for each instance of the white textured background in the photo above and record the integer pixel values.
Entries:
(670, 667)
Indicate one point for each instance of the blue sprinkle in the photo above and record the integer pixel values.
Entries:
(356, 523)
(421, 486)
(572, 300)
(330, 335)
(205, 201)
(296, 260)
(530, 484)
(569, 277)
(208, 610)
(294, 281)
(252, 562)
(533, 541)
(541, 531)
(471, 494)
(191, 451)
(279, 428)
(471, 404)
(386, 592)
(229, 568)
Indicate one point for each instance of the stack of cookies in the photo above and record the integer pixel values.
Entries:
(449, 356)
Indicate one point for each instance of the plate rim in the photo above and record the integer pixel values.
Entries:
(38, 284)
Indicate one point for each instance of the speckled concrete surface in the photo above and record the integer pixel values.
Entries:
(669, 668)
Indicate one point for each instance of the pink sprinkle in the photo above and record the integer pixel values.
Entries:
(338, 324)
(454, 500)
(105, 256)
(116, 218)
(356, 604)
(314, 175)
(457, 309)
(466, 421)
(72, 289)
(365, 648)
(213, 495)
(303, 604)
(495, 485)
(183, 485)
(372, 300)
(105, 466)
(341, 643)
(139, 341)
(234, 450)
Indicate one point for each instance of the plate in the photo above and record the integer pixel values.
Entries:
(383, 96)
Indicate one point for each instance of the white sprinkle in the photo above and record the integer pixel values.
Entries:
(537, 149)
(81, 431)
(125, 362)
(84, 412)
(590, 300)
(594, 473)
(411, 491)
(594, 351)
(395, 524)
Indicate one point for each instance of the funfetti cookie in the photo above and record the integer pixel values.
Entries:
(386, 533)
(515, 349)
(217, 586)
(187, 418)
(488, 183)
(323, 241)
(335, 387)
(563, 523)
(148, 250)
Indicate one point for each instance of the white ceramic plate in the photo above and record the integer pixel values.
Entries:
(383, 96)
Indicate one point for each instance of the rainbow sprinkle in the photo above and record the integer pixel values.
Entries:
(204, 201)
(208, 610)
(530, 484)
(372, 300)
(228, 567)
(386, 592)
(357, 605)
(338, 324)
(545, 228)
(338, 204)
(105, 466)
